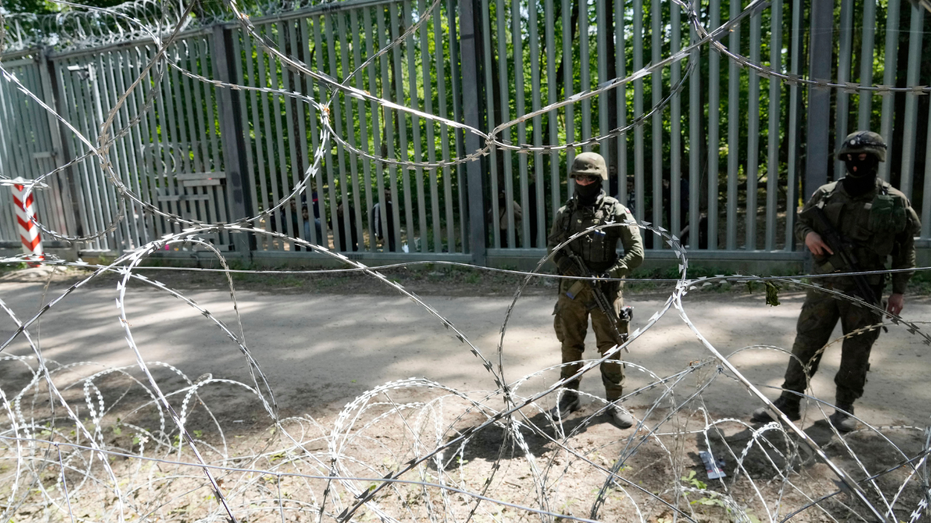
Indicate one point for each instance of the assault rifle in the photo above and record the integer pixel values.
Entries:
(837, 244)
(601, 300)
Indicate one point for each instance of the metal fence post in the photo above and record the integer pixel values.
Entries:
(230, 115)
(470, 58)
(819, 98)
(52, 92)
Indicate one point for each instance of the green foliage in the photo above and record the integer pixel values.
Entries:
(40, 7)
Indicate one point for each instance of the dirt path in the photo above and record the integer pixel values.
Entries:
(320, 349)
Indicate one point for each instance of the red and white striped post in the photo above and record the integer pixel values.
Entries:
(28, 230)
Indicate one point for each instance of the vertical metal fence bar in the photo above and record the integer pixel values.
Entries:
(792, 183)
(137, 167)
(11, 114)
(842, 98)
(336, 122)
(203, 152)
(733, 131)
(458, 100)
(490, 113)
(926, 205)
(122, 165)
(106, 100)
(104, 213)
(166, 145)
(236, 200)
(471, 99)
(386, 83)
(255, 167)
(504, 104)
(270, 131)
(351, 190)
(52, 88)
(371, 39)
(568, 72)
(657, 125)
(286, 151)
(552, 90)
(585, 82)
(601, 50)
(911, 100)
(772, 160)
(160, 224)
(695, 140)
(363, 129)
(299, 140)
(84, 197)
(534, 237)
(620, 65)
(103, 104)
(7, 224)
(753, 132)
(519, 107)
(36, 146)
(414, 90)
(428, 91)
(638, 112)
(49, 125)
(82, 110)
(889, 70)
(351, 212)
(865, 98)
(440, 60)
(315, 185)
(191, 93)
(266, 154)
(286, 138)
(714, 121)
(675, 135)
(406, 94)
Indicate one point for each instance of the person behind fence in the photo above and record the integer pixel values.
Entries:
(593, 254)
(376, 224)
(503, 217)
(851, 225)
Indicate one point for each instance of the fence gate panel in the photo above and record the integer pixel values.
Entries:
(28, 149)
(163, 143)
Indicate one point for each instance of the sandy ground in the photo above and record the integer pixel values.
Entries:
(321, 350)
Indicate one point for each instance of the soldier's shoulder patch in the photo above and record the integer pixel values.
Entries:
(895, 193)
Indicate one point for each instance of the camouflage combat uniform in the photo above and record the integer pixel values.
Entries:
(598, 250)
(874, 239)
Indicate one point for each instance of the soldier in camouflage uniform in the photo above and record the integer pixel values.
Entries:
(589, 207)
(877, 222)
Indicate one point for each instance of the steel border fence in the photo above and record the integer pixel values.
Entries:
(706, 162)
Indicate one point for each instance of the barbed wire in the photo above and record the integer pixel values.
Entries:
(446, 454)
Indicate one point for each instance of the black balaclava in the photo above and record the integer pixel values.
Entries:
(588, 194)
(863, 180)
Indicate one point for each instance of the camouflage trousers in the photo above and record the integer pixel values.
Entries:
(571, 325)
(819, 315)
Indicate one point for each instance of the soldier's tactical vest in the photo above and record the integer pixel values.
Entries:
(599, 248)
(868, 226)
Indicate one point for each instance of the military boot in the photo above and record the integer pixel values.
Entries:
(842, 420)
(568, 403)
(621, 418)
(788, 405)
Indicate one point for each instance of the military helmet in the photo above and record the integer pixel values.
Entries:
(589, 164)
(863, 142)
